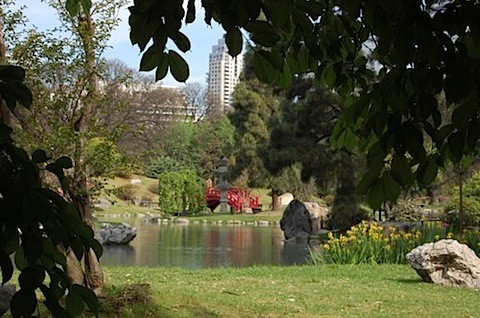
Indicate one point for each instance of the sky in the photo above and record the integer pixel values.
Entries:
(202, 38)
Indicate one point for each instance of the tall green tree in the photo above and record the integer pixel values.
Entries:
(36, 224)
(198, 146)
(300, 135)
(63, 71)
(254, 105)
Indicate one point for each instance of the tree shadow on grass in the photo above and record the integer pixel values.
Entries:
(408, 280)
(135, 300)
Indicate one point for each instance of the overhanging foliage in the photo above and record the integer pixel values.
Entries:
(388, 60)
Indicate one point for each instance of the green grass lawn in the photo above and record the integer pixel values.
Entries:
(305, 291)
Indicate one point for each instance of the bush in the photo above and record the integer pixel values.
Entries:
(328, 199)
(181, 191)
(126, 192)
(471, 208)
(406, 211)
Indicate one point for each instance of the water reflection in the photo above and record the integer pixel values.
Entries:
(205, 245)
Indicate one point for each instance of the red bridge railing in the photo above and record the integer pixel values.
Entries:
(237, 198)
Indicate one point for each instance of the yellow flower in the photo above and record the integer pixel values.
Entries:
(326, 247)
(387, 247)
(449, 235)
(330, 235)
(437, 237)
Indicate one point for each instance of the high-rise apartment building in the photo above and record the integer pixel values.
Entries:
(223, 75)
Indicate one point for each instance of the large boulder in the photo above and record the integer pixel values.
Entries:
(6, 294)
(296, 220)
(318, 214)
(120, 234)
(446, 262)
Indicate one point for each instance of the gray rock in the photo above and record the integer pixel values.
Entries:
(116, 234)
(295, 219)
(6, 294)
(446, 262)
(182, 221)
(263, 223)
(318, 214)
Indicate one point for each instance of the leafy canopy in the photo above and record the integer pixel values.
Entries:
(388, 60)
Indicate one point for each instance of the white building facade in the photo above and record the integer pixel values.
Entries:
(223, 75)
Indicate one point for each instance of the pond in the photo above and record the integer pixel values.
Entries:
(205, 245)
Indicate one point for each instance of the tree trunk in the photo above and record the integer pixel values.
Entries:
(74, 268)
(275, 201)
(344, 206)
(82, 199)
(460, 208)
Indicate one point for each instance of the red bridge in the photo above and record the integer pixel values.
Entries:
(236, 198)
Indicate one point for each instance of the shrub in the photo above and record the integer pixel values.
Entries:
(126, 192)
(181, 191)
(328, 199)
(471, 208)
(406, 211)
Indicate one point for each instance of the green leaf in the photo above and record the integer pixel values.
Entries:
(302, 58)
(370, 178)
(377, 194)
(20, 261)
(162, 67)
(31, 278)
(75, 304)
(392, 188)
(73, 7)
(427, 172)
(51, 301)
(12, 72)
(64, 162)
(280, 13)
(263, 33)
(9, 240)
(39, 156)
(190, 12)
(24, 303)
(456, 145)
(328, 75)
(401, 171)
(234, 42)
(86, 5)
(6, 266)
(178, 66)
(150, 58)
(181, 41)
(88, 297)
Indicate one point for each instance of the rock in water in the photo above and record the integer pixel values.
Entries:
(318, 214)
(116, 234)
(446, 262)
(295, 219)
(6, 294)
